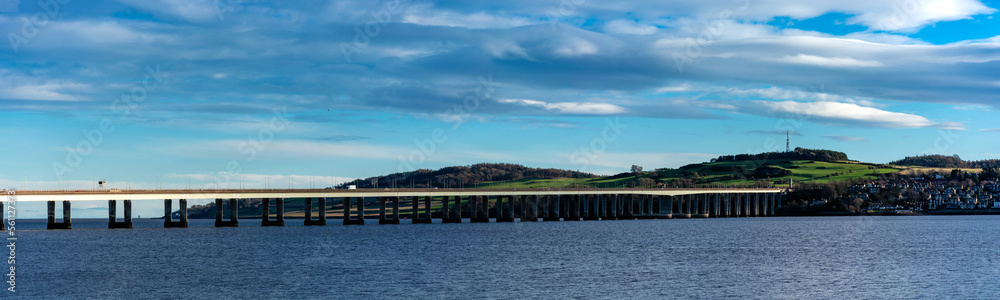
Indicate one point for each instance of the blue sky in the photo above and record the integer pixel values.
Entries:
(309, 93)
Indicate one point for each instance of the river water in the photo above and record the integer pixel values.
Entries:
(937, 257)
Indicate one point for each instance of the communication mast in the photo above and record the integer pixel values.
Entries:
(788, 141)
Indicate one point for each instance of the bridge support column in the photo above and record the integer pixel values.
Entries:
(395, 211)
(590, 208)
(651, 205)
(448, 215)
(168, 215)
(419, 218)
(113, 214)
(381, 210)
(477, 208)
(505, 214)
(360, 220)
(444, 208)
(572, 208)
(530, 208)
(234, 215)
(756, 204)
(67, 222)
(682, 202)
(279, 217)
(774, 198)
(612, 208)
(645, 208)
(729, 205)
(547, 207)
(701, 206)
(746, 205)
(309, 220)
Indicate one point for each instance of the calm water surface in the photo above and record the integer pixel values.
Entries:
(786, 258)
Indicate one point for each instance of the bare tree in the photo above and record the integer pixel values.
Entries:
(636, 169)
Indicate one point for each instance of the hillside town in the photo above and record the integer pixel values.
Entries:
(925, 194)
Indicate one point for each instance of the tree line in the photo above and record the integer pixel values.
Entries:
(463, 176)
(797, 154)
(944, 161)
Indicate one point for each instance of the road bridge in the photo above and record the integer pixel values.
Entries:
(508, 205)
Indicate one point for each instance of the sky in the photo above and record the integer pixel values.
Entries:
(232, 93)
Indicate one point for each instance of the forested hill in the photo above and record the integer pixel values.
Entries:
(797, 154)
(463, 176)
(943, 161)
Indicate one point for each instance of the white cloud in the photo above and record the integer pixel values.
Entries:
(581, 108)
(777, 93)
(190, 10)
(847, 114)
(629, 27)
(425, 15)
(835, 62)
(574, 46)
(910, 15)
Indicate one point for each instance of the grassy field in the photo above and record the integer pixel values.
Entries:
(718, 173)
(801, 171)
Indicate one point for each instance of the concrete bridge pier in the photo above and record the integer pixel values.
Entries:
(746, 205)
(424, 218)
(381, 211)
(690, 202)
(504, 214)
(395, 210)
(768, 203)
(725, 205)
(480, 213)
(756, 205)
(572, 208)
(113, 214)
(616, 207)
(618, 203)
(626, 206)
(453, 215)
(683, 207)
(645, 208)
(309, 220)
(602, 206)
(609, 207)
(716, 201)
(551, 209)
(445, 200)
(67, 221)
(649, 205)
(738, 205)
(473, 210)
(663, 209)
(348, 219)
(168, 218)
(219, 222)
(591, 208)
(774, 199)
(265, 212)
(702, 206)
(530, 208)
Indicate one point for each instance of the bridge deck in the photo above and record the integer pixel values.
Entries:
(89, 195)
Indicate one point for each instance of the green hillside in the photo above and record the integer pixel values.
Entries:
(716, 173)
